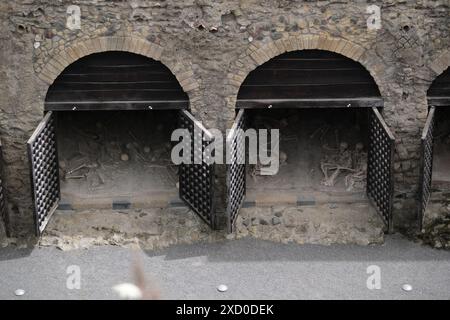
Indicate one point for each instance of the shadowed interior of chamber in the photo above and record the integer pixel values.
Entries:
(110, 156)
(441, 157)
(313, 142)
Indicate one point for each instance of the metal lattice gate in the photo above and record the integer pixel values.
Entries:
(426, 164)
(197, 178)
(380, 184)
(235, 169)
(3, 208)
(43, 156)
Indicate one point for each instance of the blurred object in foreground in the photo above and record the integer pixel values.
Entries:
(140, 290)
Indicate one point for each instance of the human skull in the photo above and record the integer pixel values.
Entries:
(283, 157)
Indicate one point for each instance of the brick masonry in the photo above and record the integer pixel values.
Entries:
(211, 46)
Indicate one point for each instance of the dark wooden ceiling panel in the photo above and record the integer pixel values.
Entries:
(113, 81)
(309, 78)
(439, 91)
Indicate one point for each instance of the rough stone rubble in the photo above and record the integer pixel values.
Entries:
(159, 228)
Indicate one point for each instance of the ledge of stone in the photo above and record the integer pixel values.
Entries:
(160, 228)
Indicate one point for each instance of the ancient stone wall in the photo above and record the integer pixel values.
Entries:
(211, 46)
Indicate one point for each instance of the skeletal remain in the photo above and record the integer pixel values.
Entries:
(83, 176)
(134, 147)
(62, 164)
(101, 177)
(82, 166)
(254, 170)
(351, 179)
(331, 180)
(282, 157)
(96, 181)
(336, 163)
(359, 157)
(360, 165)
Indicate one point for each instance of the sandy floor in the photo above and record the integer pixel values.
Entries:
(307, 137)
(113, 156)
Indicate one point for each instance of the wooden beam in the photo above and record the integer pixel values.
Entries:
(309, 103)
(116, 105)
(439, 101)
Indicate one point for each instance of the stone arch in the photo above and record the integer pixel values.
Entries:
(57, 63)
(258, 54)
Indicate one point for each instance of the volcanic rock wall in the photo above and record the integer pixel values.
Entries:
(211, 46)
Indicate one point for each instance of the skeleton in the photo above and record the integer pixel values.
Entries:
(96, 179)
(357, 178)
(82, 166)
(335, 164)
(93, 174)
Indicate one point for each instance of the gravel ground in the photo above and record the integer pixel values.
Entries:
(252, 269)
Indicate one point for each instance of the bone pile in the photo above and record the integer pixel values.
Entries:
(351, 164)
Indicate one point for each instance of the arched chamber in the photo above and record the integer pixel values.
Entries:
(105, 140)
(334, 146)
(435, 149)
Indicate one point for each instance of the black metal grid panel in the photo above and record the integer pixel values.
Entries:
(3, 207)
(236, 169)
(380, 182)
(426, 164)
(197, 180)
(43, 156)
